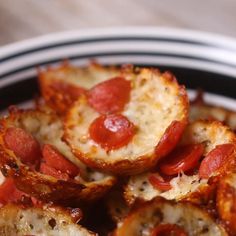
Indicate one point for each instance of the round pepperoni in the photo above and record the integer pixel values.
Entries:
(170, 138)
(56, 160)
(215, 159)
(159, 182)
(168, 230)
(110, 96)
(48, 170)
(69, 90)
(112, 131)
(23, 144)
(9, 192)
(183, 158)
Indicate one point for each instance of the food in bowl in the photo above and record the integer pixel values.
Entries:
(101, 129)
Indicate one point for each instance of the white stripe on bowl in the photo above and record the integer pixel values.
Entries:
(145, 60)
(219, 55)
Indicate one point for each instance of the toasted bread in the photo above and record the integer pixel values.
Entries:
(193, 220)
(191, 187)
(156, 103)
(47, 128)
(16, 220)
(226, 198)
(61, 85)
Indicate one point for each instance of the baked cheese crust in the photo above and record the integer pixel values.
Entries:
(195, 221)
(156, 100)
(67, 74)
(47, 128)
(16, 220)
(211, 134)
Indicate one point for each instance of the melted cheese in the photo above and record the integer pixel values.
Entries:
(35, 221)
(211, 133)
(140, 187)
(47, 128)
(85, 77)
(154, 103)
(193, 220)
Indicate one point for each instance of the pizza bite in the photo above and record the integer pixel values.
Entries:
(200, 109)
(20, 220)
(206, 152)
(160, 217)
(226, 201)
(61, 86)
(41, 164)
(126, 124)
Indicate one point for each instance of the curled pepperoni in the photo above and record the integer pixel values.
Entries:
(183, 158)
(112, 131)
(48, 170)
(23, 144)
(170, 138)
(9, 193)
(69, 90)
(215, 159)
(54, 159)
(110, 96)
(160, 182)
(168, 230)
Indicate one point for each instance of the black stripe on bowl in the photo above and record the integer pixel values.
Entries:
(211, 82)
(120, 53)
(110, 39)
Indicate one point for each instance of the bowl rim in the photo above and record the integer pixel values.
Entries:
(203, 37)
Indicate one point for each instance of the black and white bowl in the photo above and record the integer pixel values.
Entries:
(199, 60)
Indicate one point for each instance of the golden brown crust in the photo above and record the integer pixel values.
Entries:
(210, 133)
(46, 220)
(67, 74)
(43, 187)
(192, 219)
(184, 187)
(123, 164)
(47, 188)
(226, 201)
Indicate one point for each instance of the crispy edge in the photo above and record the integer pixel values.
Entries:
(58, 101)
(226, 201)
(125, 224)
(61, 216)
(142, 163)
(44, 187)
(206, 193)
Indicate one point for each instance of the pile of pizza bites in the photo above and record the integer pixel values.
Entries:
(117, 151)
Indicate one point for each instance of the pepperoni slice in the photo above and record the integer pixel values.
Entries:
(56, 160)
(9, 192)
(23, 144)
(215, 159)
(112, 131)
(183, 158)
(160, 182)
(69, 90)
(110, 96)
(168, 230)
(48, 170)
(170, 138)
